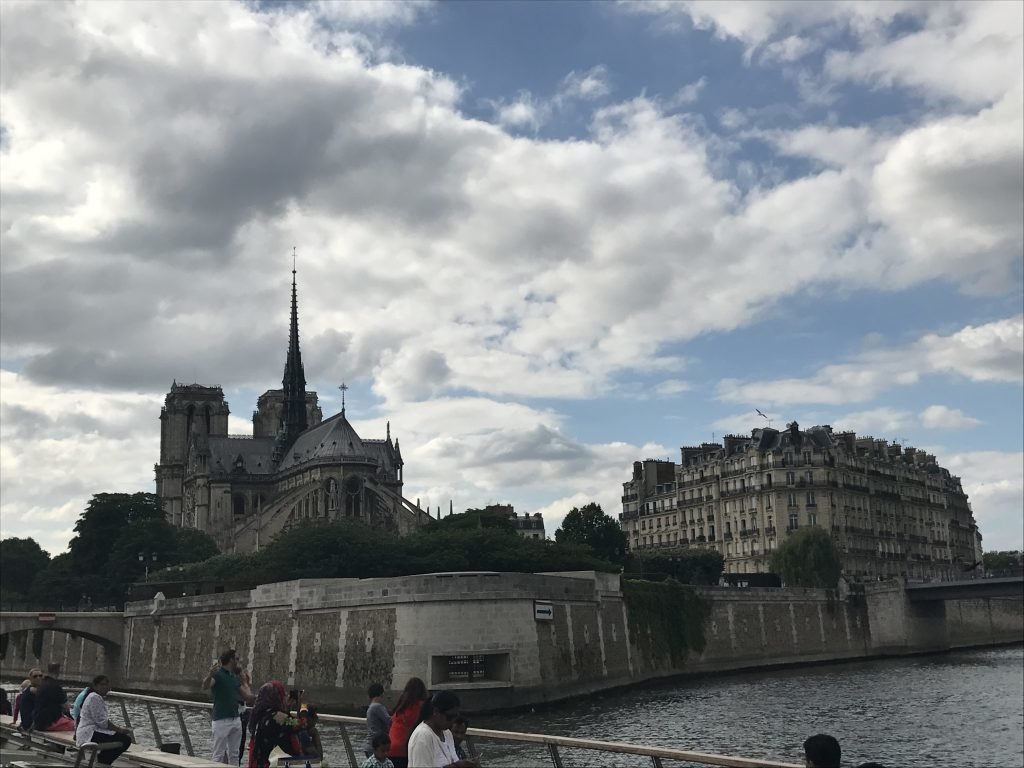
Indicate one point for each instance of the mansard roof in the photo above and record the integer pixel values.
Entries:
(255, 453)
(333, 438)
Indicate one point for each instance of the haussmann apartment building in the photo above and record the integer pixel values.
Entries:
(891, 510)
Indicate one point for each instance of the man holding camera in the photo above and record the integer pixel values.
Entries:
(226, 685)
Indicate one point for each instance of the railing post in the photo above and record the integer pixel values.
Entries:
(556, 759)
(156, 727)
(348, 746)
(184, 731)
(124, 714)
(656, 761)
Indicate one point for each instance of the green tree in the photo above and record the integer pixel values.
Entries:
(999, 563)
(345, 549)
(142, 544)
(591, 526)
(61, 584)
(193, 546)
(478, 518)
(808, 558)
(20, 561)
(102, 523)
(688, 566)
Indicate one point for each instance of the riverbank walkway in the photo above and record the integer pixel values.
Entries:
(554, 746)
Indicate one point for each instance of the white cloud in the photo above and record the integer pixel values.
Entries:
(994, 482)
(993, 352)
(356, 12)
(438, 253)
(943, 417)
(757, 23)
(789, 48)
(670, 387)
(877, 421)
(588, 85)
(60, 445)
(689, 93)
(524, 111)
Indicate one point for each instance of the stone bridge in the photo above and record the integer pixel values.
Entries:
(1009, 586)
(23, 634)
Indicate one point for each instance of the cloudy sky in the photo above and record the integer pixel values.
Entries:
(544, 240)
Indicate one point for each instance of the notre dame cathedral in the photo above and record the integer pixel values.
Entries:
(296, 466)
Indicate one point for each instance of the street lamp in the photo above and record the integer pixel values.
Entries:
(143, 559)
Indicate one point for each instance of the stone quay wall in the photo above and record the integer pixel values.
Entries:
(501, 640)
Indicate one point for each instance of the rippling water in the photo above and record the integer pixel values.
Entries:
(956, 710)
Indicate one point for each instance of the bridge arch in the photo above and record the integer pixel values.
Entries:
(77, 645)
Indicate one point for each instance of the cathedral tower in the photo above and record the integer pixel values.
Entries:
(293, 385)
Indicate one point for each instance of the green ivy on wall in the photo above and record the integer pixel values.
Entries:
(666, 619)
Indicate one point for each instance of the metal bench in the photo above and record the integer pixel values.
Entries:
(85, 754)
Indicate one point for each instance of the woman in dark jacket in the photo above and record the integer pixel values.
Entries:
(50, 712)
(271, 726)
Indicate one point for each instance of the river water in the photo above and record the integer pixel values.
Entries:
(956, 710)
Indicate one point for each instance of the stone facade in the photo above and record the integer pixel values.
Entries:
(244, 489)
(892, 511)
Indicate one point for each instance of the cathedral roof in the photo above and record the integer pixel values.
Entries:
(255, 454)
(333, 438)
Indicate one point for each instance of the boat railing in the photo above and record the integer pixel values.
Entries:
(552, 744)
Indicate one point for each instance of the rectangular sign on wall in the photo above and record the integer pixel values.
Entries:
(543, 610)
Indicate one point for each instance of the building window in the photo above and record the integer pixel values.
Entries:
(794, 521)
(810, 476)
(470, 668)
(790, 478)
(792, 499)
(810, 499)
(812, 518)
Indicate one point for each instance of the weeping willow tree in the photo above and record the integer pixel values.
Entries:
(808, 558)
(666, 619)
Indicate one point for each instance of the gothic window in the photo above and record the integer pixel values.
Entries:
(238, 505)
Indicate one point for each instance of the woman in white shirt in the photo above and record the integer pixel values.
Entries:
(431, 744)
(94, 724)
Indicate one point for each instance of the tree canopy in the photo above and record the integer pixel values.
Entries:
(808, 558)
(103, 557)
(346, 549)
(20, 561)
(687, 566)
(1002, 563)
(589, 525)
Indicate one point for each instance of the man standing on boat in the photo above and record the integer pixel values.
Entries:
(226, 685)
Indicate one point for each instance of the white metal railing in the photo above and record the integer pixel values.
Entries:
(551, 743)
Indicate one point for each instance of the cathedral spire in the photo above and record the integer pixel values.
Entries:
(293, 409)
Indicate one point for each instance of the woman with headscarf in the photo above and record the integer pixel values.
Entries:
(271, 726)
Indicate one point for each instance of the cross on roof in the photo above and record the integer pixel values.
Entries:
(344, 388)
